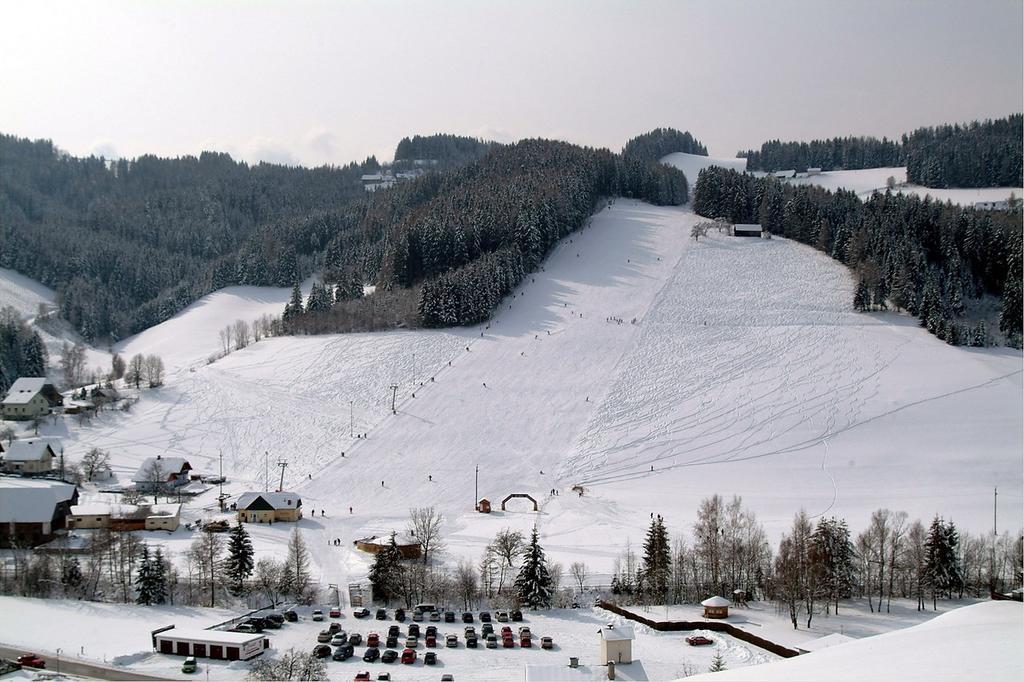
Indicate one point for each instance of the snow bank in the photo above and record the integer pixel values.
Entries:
(976, 642)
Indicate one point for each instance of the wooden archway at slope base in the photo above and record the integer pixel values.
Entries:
(530, 498)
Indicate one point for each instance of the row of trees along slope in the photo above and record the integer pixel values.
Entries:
(140, 239)
(937, 261)
(977, 154)
(454, 244)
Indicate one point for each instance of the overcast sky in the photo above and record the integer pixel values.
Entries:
(331, 82)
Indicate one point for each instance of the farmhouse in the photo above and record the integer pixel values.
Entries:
(161, 473)
(257, 507)
(408, 546)
(616, 643)
(219, 644)
(125, 516)
(29, 457)
(747, 230)
(32, 510)
(716, 607)
(30, 397)
(785, 174)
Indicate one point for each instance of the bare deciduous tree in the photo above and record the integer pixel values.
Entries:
(579, 573)
(508, 545)
(241, 334)
(95, 462)
(425, 526)
(154, 368)
(72, 363)
(136, 370)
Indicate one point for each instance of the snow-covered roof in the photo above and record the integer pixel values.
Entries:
(122, 511)
(785, 173)
(616, 633)
(715, 601)
(372, 177)
(23, 390)
(213, 636)
(168, 466)
(284, 500)
(27, 500)
(825, 642)
(33, 450)
(747, 227)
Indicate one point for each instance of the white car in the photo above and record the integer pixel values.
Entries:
(318, 615)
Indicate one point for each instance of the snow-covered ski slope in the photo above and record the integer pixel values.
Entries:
(746, 372)
(974, 642)
(864, 182)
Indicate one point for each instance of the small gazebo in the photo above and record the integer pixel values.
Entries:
(716, 607)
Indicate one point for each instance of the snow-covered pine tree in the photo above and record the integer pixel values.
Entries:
(533, 584)
(296, 579)
(657, 561)
(717, 663)
(862, 296)
(159, 571)
(71, 575)
(144, 579)
(292, 310)
(385, 572)
(239, 563)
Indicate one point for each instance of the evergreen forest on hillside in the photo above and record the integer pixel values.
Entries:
(977, 154)
(928, 258)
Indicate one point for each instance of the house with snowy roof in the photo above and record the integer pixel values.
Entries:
(125, 516)
(161, 473)
(32, 510)
(30, 397)
(264, 507)
(29, 457)
(616, 643)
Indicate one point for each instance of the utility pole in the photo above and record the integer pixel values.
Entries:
(995, 536)
(394, 393)
(476, 488)
(351, 419)
(220, 496)
(283, 464)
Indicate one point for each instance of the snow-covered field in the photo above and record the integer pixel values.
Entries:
(979, 642)
(863, 182)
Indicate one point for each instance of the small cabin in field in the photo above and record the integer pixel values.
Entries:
(409, 547)
(483, 506)
(616, 643)
(747, 230)
(716, 607)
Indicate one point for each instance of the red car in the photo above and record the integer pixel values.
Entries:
(373, 639)
(335, 612)
(698, 640)
(31, 661)
(431, 640)
(508, 642)
(362, 676)
(409, 656)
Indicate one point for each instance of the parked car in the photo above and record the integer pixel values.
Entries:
(400, 615)
(246, 627)
(430, 658)
(502, 617)
(394, 631)
(485, 616)
(256, 624)
(317, 614)
(334, 628)
(417, 616)
(487, 629)
(430, 641)
(373, 639)
(412, 642)
(516, 616)
(435, 617)
(525, 641)
(408, 656)
(508, 642)
(382, 614)
(471, 642)
(293, 617)
(386, 676)
(506, 631)
(523, 629)
(447, 677)
(547, 643)
(371, 655)
(361, 613)
(355, 639)
(414, 630)
(467, 617)
(699, 640)
(343, 652)
(449, 616)
(335, 612)
(324, 636)
(391, 642)
(469, 631)
(339, 638)
(431, 631)
(365, 675)
(270, 623)
(492, 641)
(189, 666)
(321, 651)
(389, 656)
(275, 617)
(451, 641)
